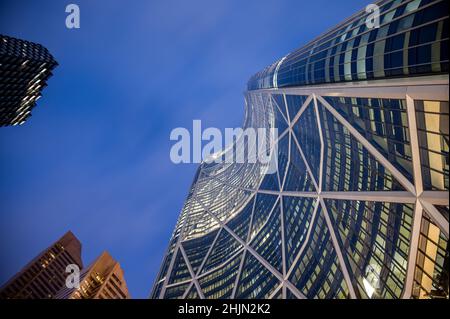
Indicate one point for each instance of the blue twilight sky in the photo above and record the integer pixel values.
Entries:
(94, 157)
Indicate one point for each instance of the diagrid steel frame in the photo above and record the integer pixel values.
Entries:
(221, 192)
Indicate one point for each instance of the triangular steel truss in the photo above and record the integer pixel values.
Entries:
(221, 191)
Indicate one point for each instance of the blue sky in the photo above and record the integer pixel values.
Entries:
(94, 157)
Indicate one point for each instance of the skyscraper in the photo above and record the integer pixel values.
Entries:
(103, 279)
(25, 68)
(44, 276)
(358, 207)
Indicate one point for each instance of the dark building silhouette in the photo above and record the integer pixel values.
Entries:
(25, 68)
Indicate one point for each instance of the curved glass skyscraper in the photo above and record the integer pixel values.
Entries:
(358, 207)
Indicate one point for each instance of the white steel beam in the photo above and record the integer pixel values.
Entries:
(192, 273)
(372, 150)
(436, 216)
(413, 246)
(436, 197)
(337, 248)
(381, 196)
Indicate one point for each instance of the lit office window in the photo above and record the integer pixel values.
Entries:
(433, 131)
(431, 276)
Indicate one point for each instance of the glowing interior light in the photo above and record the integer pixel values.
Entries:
(368, 287)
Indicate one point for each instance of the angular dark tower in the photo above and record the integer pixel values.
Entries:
(46, 274)
(25, 68)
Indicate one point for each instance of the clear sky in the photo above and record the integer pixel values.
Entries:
(94, 157)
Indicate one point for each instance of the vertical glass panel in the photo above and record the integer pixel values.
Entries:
(263, 207)
(378, 59)
(308, 137)
(279, 100)
(270, 182)
(180, 271)
(361, 63)
(347, 61)
(298, 213)
(281, 123)
(294, 103)
(348, 166)
(193, 294)
(256, 281)
(167, 259)
(433, 131)
(176, 292)
(267, 242)
(157, 290)
(297, 178)
(197, 248)
(431, 276)
(224, 248)
(413, 5)
(375, 237)
(317, 274)
(219, 284)
(384, 123)
(283, 156)
(240, 224)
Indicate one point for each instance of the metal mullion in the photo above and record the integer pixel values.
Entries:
(300, 111)
(308, 234)
(368, 146)
(274, 293)
(194, 278)
(322, 144)
(436, 217)
(283, 241)
(413, 248)
(238, 275)
(200, 268)
(224, 263)
(257, 256)
(373, 196)
(175, 251)
(337, 249)
(308, 168)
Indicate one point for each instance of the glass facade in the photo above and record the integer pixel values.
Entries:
(432, 125)
(431, 273)
(412, 40)
(358, 205)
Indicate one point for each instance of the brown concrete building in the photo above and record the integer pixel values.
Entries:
(103, 279)
(44, 276)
